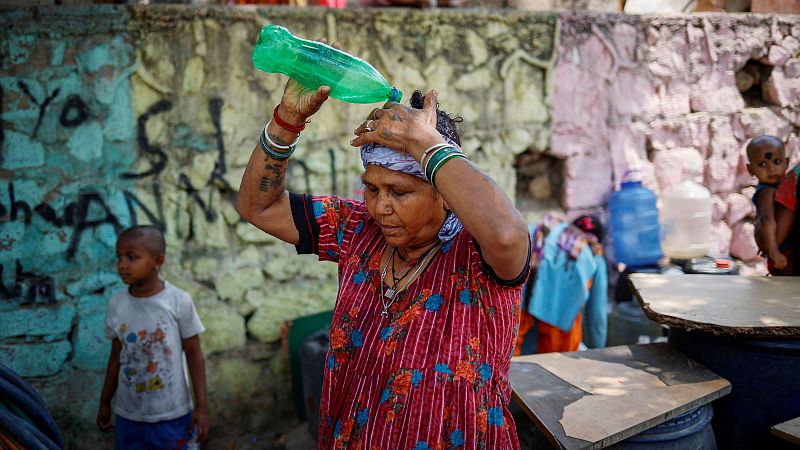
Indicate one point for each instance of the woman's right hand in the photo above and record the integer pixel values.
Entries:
(299, 103)
(402, 128)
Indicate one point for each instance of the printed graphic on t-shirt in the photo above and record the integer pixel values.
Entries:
(145, 361)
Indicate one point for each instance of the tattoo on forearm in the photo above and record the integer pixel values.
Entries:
(486, 178)
(265, 183)
(274, 176)
(270, 165)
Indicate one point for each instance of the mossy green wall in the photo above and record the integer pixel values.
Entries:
(121, 115)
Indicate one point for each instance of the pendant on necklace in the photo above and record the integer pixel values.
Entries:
(385, 312)
(390, 294)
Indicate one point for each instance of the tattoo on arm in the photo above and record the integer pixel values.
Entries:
(484, 176)
(489, 180)
(274, 176)
(265, 182)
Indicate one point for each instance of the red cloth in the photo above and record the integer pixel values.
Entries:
(332, 3)
(436, 374)
(786, 194)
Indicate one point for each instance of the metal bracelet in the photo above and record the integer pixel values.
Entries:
(268, 144)
(430, 149)
(436, 157)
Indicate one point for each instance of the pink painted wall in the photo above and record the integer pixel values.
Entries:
(660, 94)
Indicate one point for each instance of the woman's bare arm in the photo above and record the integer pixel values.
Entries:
(263, 199)
(478, 202)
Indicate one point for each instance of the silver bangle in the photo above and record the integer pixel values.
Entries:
(422, 160)
(278, 146)
(439, 151)
(267, 145)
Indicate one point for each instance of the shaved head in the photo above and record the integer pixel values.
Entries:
(149, 236)
(765, 142)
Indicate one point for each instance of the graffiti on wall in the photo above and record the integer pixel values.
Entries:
(158, 163)
(90, 209)
(40, 288)
(75, 221)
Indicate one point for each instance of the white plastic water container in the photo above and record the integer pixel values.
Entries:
(685, 220)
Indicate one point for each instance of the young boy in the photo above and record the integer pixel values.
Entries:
(767, 162)
(152, 324)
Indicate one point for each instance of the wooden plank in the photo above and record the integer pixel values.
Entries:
(722, 305)
(543, 397)
(789, 430)
(636, 387)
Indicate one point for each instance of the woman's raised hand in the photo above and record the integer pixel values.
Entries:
(299, 103)
(401, 127)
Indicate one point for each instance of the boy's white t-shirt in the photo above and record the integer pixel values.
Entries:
(152, 383)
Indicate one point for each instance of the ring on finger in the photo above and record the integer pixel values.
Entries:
(367, 126)
(374, 114)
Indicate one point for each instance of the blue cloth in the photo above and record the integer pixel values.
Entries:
(169, 434)
(561, 291)
(595, 327)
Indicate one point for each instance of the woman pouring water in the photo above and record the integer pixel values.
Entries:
(431, 266)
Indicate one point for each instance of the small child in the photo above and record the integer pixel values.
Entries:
(767, 162)
(152, 324)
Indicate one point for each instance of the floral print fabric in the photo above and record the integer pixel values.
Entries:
(434, 374)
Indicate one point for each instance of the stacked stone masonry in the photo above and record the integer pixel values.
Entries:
(660, 94)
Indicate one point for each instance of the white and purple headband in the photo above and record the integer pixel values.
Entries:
(391, 159)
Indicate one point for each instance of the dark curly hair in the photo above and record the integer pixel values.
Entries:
(445, 123)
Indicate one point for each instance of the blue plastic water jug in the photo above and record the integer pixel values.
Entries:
(634, 223)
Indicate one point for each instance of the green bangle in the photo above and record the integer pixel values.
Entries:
(437, 156)
(441, 163)
(432, 148)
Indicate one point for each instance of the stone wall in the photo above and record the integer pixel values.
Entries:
(115, 116)
(669, 94)
(119, 115)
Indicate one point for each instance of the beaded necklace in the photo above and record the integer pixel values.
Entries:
(392, 293)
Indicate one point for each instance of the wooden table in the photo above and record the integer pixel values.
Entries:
(745, 329)
(636, 387)
(789, 430)
(722, 305)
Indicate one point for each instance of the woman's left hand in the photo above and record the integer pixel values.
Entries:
(401, 127)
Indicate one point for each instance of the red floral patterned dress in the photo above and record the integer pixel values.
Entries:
(434, 374)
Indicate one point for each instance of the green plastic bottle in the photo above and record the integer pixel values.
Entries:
(315, 64)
